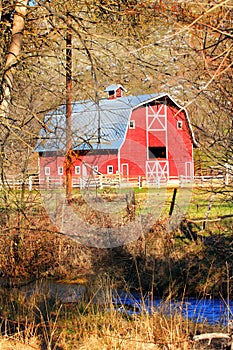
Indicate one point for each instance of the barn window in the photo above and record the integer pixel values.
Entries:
(109, 169)
(111, 94)
(60, 170)
(95, 169)
(77, 169)
(132, 124)
(47, 170)
(179, 124)
(157, 152)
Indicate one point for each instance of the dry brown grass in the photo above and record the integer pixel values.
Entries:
(142, 332)
(9, 343)
(109, 331)
(102, 328)
(94, 323)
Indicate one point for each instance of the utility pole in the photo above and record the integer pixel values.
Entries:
(68, 165)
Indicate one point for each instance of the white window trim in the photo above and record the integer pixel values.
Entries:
(108, 169)
(60, 170)
(77, 169)
(179, 124)
(95, 169)
(127, 168)
(47, 170)
(133, 126)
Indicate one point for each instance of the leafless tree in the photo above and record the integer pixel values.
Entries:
(183, 47)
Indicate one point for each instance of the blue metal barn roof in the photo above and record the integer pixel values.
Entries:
(101, 125)
(113, 116)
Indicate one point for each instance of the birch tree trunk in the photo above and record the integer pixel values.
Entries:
(12, 55)
(0, 10)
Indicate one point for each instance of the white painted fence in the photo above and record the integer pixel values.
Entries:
(104, 181)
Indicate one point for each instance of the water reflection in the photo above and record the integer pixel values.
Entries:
(212, 311)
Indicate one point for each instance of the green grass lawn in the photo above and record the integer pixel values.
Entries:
(195, 204)
(202, 200)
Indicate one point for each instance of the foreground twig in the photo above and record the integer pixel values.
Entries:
(211, 336)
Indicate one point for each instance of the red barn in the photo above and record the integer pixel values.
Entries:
(145, 135)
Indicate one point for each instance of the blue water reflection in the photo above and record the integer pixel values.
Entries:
(212, 311)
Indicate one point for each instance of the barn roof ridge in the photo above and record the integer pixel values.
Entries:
(127, 101)
(114, 87)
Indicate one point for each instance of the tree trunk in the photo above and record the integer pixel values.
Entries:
(0, 10)
(68, 111)
(12, 55)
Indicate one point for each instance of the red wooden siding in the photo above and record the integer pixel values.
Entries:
(133, 151)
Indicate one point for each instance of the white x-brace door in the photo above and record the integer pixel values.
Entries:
(157, 169)
(156, 120)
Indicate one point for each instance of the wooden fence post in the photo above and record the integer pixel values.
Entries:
(173, 202)
(180, 181)
(47, 180)
(139, 182)
(30, 183)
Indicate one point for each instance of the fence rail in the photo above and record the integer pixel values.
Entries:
(105, 181)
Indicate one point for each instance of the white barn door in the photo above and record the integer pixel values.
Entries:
(157, 169)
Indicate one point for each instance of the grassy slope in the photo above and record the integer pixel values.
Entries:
(188, 257)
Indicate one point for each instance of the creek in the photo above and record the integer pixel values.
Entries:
(212, 311)
(207, 310)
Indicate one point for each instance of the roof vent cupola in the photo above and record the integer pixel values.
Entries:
(115, 91)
